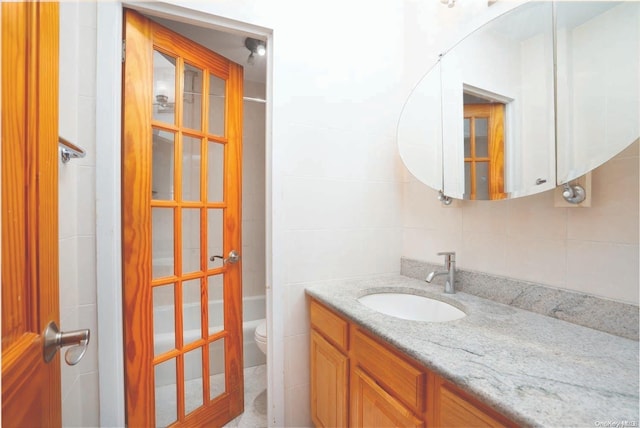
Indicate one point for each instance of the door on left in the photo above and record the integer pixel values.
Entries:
(30, 386)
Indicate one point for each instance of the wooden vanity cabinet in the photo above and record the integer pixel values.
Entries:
(386, 389)
(453, 407)
(329, 368)
(372, 406)
(361, 381)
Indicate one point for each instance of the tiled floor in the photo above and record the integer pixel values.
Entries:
(255, 399)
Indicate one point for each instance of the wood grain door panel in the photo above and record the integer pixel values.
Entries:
(174, 222)
(30, 387)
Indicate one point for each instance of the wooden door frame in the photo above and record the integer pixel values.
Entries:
(108, 186)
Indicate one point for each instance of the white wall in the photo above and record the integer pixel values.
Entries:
(77, 213)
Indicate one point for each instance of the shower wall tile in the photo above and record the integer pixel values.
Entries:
(253, 193)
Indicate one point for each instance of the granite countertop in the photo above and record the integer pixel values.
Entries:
(534, 369)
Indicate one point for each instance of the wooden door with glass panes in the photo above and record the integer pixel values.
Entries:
(181, 222)
(484, 151)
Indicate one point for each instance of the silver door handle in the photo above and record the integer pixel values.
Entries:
(234, 257)
(55, 339)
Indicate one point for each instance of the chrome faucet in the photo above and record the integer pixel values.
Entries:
(450, 266)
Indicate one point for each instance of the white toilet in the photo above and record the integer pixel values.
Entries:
(260, 336)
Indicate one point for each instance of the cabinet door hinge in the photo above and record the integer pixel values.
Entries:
(124, 49)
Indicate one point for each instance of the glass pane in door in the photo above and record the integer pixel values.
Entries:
(215, 237)
(467, 137)
(216, 364)
(162, 149)
(192, 107)
(166, 393)
(216, 303)
(191, 311)
(190, 240)
(162, 259)
(164, 338)
(482, 137)
(191, 156)
(217, 97)
(482, 180)
(215, 174)
(193, 385)
(164, 87)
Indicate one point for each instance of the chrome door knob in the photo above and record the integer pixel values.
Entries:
(55, 339)
(234, 257)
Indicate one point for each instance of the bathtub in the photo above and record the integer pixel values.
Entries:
(253, 312)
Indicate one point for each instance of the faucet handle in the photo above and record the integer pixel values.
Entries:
(448, 254)
(449, 258)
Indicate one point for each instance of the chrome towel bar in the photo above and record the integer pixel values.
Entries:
(69, 151)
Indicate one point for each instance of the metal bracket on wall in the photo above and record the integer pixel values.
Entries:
(574, 194)
(69, 151)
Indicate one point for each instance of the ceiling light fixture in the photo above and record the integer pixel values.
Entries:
(449, 3)
(256, 47)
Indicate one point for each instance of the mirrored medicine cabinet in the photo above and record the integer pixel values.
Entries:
(535, 98)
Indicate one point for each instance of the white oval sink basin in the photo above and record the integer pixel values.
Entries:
(411, 307)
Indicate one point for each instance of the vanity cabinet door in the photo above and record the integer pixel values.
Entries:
(329, 383)
(371, 406)
(455, 408)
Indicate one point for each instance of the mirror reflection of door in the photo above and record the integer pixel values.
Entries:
(484, 151)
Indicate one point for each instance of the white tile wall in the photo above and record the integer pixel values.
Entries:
(77, 214)
(253, 192)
